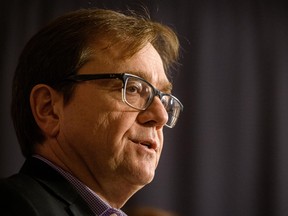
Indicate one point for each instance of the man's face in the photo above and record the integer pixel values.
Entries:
(103, 135)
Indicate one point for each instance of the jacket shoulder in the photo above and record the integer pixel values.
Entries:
(22, 195)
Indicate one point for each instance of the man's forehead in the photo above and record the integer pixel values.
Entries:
(113, 54)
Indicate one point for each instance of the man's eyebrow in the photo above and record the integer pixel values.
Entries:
(141, 74)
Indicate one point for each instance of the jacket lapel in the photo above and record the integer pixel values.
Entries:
(57, 185)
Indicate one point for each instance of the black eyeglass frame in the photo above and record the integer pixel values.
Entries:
(123, 77)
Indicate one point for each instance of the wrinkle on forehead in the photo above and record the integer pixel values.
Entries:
(155, 77)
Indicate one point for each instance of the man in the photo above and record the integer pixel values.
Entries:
(90, 99)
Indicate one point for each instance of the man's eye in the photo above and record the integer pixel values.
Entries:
(134, 88)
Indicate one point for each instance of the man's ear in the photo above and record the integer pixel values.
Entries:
(45, 103)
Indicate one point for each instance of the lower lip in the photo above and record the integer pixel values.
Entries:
(145, 148)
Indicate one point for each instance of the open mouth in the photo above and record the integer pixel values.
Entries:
(148, 145)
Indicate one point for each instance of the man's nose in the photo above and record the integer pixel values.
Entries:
(154, 115)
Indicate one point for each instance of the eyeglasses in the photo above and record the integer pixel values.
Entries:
(138, 93)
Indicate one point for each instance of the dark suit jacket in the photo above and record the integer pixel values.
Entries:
(40, 190)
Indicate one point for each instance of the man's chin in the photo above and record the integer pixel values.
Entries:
(146, 178)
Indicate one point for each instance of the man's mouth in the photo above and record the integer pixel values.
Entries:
(147, 144)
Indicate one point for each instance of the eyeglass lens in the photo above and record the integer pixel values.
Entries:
(140, 94)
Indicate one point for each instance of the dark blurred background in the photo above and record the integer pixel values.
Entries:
(228, 155)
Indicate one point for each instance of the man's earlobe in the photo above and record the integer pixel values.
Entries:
(44, 103)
